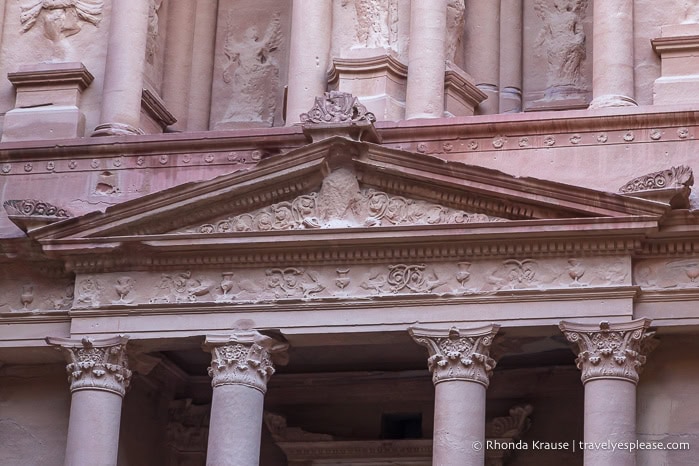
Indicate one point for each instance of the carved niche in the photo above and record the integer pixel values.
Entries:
(60, 18)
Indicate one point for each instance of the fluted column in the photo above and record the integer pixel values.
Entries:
(241, 365)
(123, 75)
(482, 50)
(202, 65)
(426, 59)
(99, 376)
(461, 368)
(309, 57)
(612, 61)
(510, 56)
(610, 358)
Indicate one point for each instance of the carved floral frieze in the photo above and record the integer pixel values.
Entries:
(675, 177)
(312, 282)
(25, 295)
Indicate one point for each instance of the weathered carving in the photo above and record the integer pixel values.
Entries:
(513, 274)
(60, 18)
(281, 432)
(226, 286)
(26, 298)
(123, 287)
(341, 203)
(95, 364)
(64, 301)
(32, 207)
(675, 177)
(252, 71)
(563, 40)
(463, 274)
(337, 107)
(342, 279)
(455, 26)
(88, 292)
(512, 426)
(245, 357)
(458, 354)
(187, 429)
(181, 288)
(576, 271)
(616, 351)
(292, 282)
(153, 30)
(681, 273)
(377, 23)
(401, 278)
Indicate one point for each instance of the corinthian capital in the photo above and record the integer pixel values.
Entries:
(610, 351)
(246, 357)
(458, 354)
(95, 364)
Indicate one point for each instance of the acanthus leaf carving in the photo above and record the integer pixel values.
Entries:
(458, 354)
(610, 350)
(337, 107)
(96, 364)
(246, 357)
(675, 177)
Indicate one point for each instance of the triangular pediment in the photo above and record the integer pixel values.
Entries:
(340, 184)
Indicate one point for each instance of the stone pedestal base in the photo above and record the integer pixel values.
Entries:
(47, 102)
(678, 48)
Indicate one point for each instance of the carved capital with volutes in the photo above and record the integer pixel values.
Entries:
(95, 364)
(610, 351)
(458, 354)
(245, 357)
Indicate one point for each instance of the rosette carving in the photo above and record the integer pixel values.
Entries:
(245, 357)
(95, 364)
(458, 354)
(610, 351)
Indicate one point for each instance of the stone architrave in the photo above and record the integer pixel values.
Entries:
(99, 375)
(610, 357)
(241, 365)
(461, 368)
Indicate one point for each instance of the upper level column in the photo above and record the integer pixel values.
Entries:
(99, 376)
(461, 368)
(241, 365)
(610, 357)
(482, 50)
(612, 61)
(309, 57)
(426, 59)
(123, 76)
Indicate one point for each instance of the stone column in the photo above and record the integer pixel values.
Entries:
(510, 56)
(612, 60)
(178, 59)
(426, 59)
(482, 50)
(461, 368)
(309, 57)
(610, 357)
(99, 376)
(241, 365)
(202, 65)
(123, 74)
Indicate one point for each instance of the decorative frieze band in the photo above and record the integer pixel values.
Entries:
(458, 354)
(246, 357)
(95, 364)
(610, 351)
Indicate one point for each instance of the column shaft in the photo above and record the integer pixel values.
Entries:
(236, 426)
(123, 80)
(426, 59)
(482, 50)
(510, 56)
(459, 422)
(610, 416)
(309, 57)
(178, 59)
(199, 105)
(93, 430)
(612, 61)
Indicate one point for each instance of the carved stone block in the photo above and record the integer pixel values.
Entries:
(678, 47)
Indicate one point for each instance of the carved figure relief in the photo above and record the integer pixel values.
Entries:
(181, 288)
(455, 26)
(123, 287)
(88, 292)
(60, 18)
(661, 274)
(64, 301)
(252, 71)
(563, 41)
(293, 282)
(153, 30)
(377, 23)
(341, 203)
(513, 274)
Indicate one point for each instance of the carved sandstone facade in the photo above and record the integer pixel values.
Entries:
(348, 232)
